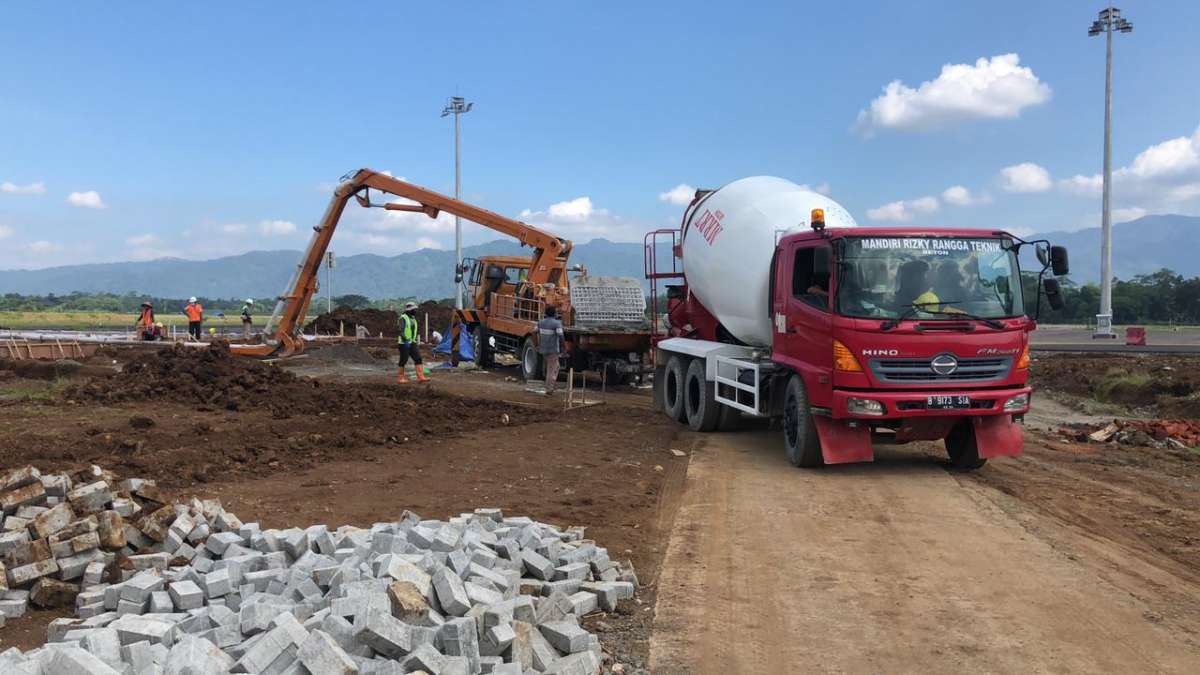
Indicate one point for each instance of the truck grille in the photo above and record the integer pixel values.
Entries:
(921, 370)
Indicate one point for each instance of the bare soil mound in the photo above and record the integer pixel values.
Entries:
(376, 321)
(1168, 383)
(344, 353)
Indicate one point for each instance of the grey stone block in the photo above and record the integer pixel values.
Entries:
(186, 595)
(196, 656)
(451, 592)
(566, 636)
(322, 655)
(62, 660)
(583, 603)
(385, 634)
(537, 565)
(583, 663)
(161, 603)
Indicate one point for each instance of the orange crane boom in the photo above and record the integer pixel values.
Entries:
(282, 333)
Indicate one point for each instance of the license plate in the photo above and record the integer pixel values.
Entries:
(947, 402)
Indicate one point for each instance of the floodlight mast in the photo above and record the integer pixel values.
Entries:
(457, 106)
(1110, 20)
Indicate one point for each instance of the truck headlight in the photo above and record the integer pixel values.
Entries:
(863, 406)
(1018, 402)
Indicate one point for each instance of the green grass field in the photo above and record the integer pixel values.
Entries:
(106, 321)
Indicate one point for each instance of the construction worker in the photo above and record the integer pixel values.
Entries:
(195, 315)
(247, 319)
(549, 345)
(145, 323)
(409, 334)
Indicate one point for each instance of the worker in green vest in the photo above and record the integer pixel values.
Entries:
(409, 334)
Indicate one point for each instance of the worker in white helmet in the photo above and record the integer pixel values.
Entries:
(247, 319)
(195, 316)
(409, 337)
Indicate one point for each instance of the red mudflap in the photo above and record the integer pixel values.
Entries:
(997, 436)
(841, 444)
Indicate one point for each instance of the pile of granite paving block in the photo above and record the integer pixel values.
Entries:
(188, 588)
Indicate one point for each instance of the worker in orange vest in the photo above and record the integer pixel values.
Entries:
(195, 315)
(146, 321)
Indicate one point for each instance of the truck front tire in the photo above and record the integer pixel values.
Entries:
(963, 448)
(531, 362)
(673, 387)
(799, 429)
(703, 411)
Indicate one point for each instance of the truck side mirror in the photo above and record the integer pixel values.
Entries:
(1043, 253)
(1053, 295)
(1058, 261)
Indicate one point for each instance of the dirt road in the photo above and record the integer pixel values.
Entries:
(900, 566)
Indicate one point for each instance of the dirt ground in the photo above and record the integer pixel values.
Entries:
(351, 447)
(1071, 558)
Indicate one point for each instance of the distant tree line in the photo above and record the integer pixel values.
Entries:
(1162, 297)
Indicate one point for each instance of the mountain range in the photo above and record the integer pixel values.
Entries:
(1140, 246)
(427, 273)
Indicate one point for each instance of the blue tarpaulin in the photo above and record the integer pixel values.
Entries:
(466, 346)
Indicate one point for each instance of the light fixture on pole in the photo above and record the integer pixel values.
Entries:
(456, 106)
(1110, 20)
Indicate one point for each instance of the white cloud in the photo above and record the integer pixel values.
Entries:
(31, 189)
(961, 196)
(904, 210)
(142, 240)
(819, 188)
(88, 200)
(1082, 185)
(1025, 177)
(1164, 177)
(1127, 214)
(1168, 158)
(277, 227)
(575, 210)
(998, 87)
(680, 195)
(6, 232)
(43, 246)
(234, 228)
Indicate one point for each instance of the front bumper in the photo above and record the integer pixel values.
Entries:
(902, 404)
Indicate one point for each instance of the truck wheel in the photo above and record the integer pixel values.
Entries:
(673, 388)
(531, 362)
(963, 448)
(703, 411)
(799, 430)
(484, 357)
(656, 393)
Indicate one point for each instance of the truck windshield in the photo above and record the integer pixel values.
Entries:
(930, 278)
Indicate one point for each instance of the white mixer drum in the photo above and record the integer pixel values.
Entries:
(729, 239)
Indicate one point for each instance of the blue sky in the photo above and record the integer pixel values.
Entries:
(138, 130)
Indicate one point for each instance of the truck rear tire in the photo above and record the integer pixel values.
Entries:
(963, 448)
(799, 429)
(703, 411)
(532, 367)
(673, 387)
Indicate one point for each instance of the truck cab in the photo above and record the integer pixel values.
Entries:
(902, 335)
(877, 336)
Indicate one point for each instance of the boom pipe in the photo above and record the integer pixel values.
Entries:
(550, 251)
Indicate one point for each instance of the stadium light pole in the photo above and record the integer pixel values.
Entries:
(457, 106)
(1110, 20)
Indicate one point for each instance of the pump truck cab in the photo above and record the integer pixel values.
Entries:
(778, 305)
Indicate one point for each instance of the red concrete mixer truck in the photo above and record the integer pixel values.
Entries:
(779, 306)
